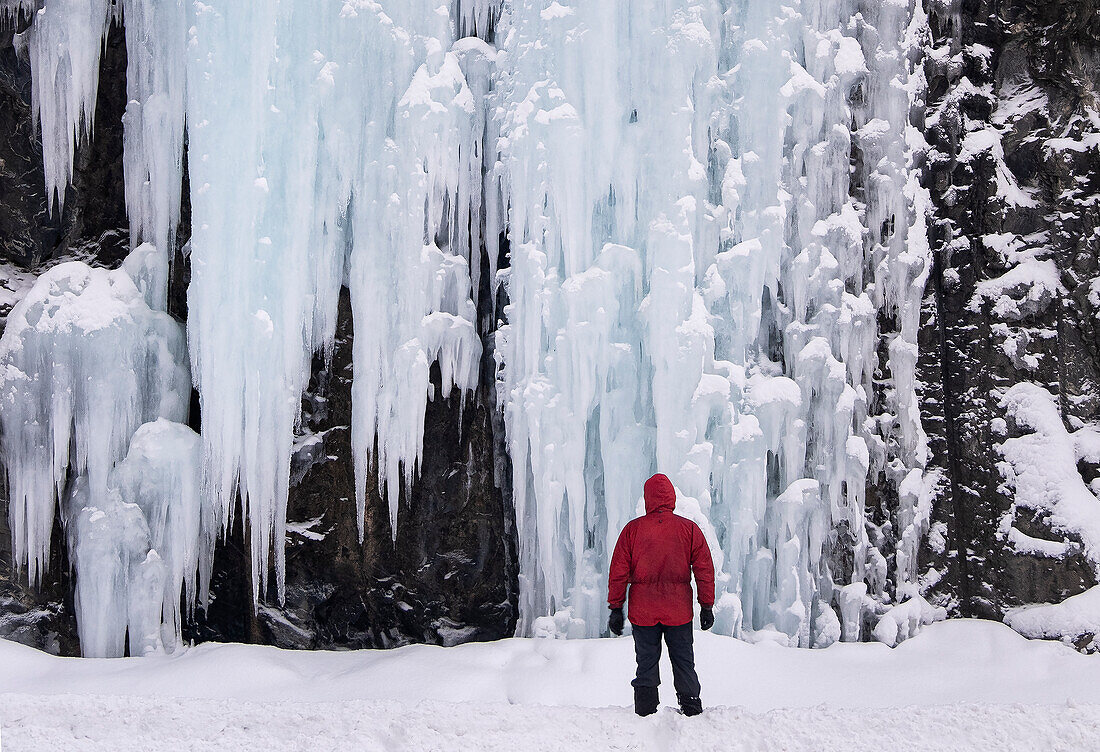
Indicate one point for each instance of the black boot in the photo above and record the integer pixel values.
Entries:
(645, 700)
(690, 705)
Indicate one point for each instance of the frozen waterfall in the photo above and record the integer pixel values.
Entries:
(715, 260)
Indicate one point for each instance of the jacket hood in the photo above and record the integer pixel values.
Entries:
(659, 494)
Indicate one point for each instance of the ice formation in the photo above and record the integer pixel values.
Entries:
(341, 159)
(142, 546)
(160, 475)
(154, 128)
(708, 307)
(119, 579)
(716, 255)
(64, 44)
(83, 363)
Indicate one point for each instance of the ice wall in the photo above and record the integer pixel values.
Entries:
(697, 276)
(716, 254)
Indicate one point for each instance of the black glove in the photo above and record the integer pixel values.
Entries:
(706, 618)
(615, 622)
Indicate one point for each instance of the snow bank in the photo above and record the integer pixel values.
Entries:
(564, 694)
(960, 660)
(905, 620)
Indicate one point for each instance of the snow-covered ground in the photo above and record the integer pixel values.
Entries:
(959, 685)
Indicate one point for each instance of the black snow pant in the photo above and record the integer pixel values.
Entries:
(647, 649)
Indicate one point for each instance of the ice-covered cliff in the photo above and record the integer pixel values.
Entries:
(456, 278)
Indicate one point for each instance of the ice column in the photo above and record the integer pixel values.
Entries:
(608, 352)
(893, 35)
(141, 545)
(119, 578)
(160, 475)
(693, 289)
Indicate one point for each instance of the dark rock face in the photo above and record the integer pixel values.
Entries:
(449, 577)
(1028, 72)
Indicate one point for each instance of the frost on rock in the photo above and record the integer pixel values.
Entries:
(83, 363)
(695, 287)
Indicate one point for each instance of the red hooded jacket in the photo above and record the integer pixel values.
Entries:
(656, 555)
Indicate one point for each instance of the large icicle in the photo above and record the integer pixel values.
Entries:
(344, 143)
(83, 363)
(65, 42)
(156, 31)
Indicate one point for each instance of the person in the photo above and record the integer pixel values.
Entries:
(656, 556)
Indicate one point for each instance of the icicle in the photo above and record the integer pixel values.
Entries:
(476, 18)
(156, 32)
(65, 42)
(343, 141)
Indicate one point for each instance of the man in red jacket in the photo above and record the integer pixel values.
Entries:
(656, 556)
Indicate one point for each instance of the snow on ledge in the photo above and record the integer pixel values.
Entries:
(1073, 618)
(1041, 467)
